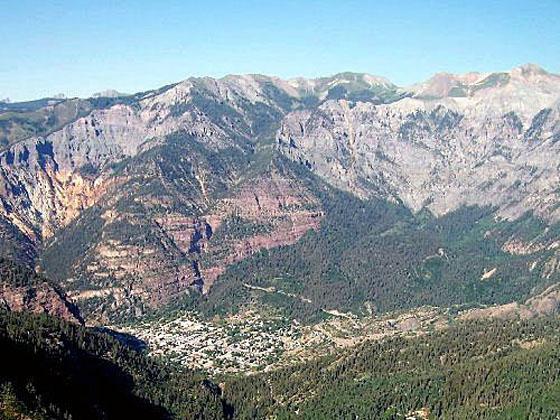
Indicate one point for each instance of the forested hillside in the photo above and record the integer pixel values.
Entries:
(55, 370)
(486, 369)
(491, 369)
(374, 256)
(22, 289)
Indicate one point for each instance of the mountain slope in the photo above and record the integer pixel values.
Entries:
(372, 257)
(21, 289)
(442, 152)
(146, 199)
(491, 369)
(61, 370)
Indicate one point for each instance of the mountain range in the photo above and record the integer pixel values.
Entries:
(344, 193)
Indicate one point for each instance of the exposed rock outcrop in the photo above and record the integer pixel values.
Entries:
(543, 304)
(492, 145)
(40, 298)
(135, 203)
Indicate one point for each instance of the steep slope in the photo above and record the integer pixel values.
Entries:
(145, 199)
(372, 257)
(491, 147)
(524, 90)
(56, 370)
(180, 215)
(147, 235)
(23, 120)
(46, 181)
(21, 289)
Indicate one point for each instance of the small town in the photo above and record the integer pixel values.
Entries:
(251, 342)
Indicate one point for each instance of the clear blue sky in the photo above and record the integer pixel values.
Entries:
(78, 47)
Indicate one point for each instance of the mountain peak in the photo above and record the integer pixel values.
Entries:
(529, 69)
(446, 84)
(350, 77)
(527, 76)
(109, 93)
(345, 85)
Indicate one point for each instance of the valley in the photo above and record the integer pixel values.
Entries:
(252, 342)
(248, 230)
(298, 210)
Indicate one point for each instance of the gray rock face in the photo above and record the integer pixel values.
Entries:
(487, 139)
(496, 144)
(45, 182)
(113, 199)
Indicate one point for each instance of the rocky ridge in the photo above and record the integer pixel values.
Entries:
(456, 141)
(142, 198)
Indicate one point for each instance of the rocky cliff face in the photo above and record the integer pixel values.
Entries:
(123, 201)
(21, 289)
(39, 299)
(459, 140)
(268, 212)
(135, 201)
(146, 244)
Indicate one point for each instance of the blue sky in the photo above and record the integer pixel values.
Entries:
(79, 47)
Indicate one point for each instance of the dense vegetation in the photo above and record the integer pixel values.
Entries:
(52, 369)
(488, 369)
(17, 275)
(377, 256)
(14, 244)
(485, 369)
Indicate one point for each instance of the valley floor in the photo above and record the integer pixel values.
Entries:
(254, 341)
(251, 342)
